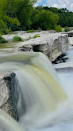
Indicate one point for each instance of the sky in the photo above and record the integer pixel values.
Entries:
(56, 3)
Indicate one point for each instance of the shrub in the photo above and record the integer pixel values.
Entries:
(39, 29)
(35, 36)
(58, 28)
(45, 20)
(16, 38)
(3, 27)
(66, 29)
(2, 40)
(12, 23)
(30, 31)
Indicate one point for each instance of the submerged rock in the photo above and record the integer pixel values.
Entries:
(61, 59)
(8, 94)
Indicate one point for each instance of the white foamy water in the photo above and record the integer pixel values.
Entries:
(45, 101)
(64, 122)
(65, 74)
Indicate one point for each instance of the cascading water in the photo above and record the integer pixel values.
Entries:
(65, 74)
(42, 101)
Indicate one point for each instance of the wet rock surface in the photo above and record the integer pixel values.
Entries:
(61, 59)
(8, 94)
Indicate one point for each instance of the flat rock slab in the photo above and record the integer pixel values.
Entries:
(51, 44)
(25, 35)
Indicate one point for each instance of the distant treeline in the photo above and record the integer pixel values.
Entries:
(22, 15)
(65, 16)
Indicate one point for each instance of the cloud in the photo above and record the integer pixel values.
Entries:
(67, 2)
(38, 2)
(71, 6)
(63, 5)
(56, 3)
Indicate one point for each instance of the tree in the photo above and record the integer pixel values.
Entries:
(19, 11)
(65, 16)
(25, 13)
(44, 19)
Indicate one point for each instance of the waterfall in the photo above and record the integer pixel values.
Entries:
(41, 95)
(7, 123)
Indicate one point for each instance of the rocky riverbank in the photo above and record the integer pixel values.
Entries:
(50, 43)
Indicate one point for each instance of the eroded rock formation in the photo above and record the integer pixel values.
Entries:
(8, 94)
(51, 44)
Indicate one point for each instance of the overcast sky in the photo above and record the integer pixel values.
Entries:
(56, 3)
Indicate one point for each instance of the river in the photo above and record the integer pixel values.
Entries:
(64, 122)
(45, 96)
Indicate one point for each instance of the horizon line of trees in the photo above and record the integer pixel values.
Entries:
(65, 16)
(22, 15)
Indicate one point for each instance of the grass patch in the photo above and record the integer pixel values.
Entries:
(17, 38)
(35, 36)
(58, 28)
(66, 29)
(30, 31)
(3, 40)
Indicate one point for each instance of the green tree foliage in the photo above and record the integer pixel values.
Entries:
(66, 29)
(21, 15)
(51, 9)
(44, 19)
(8, 23)
(65, 16)
(25, 13)
(58, 28)
(22, 9)
(16, 14)
(66, 19)
(3, 27)
(12, 23)
(2, 40)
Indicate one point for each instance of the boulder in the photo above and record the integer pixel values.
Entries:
(51, 44)
(8, 94)
(70, 33)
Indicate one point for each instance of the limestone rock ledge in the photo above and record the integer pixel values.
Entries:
(51, 44)
(70, 33)
(8, 94)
